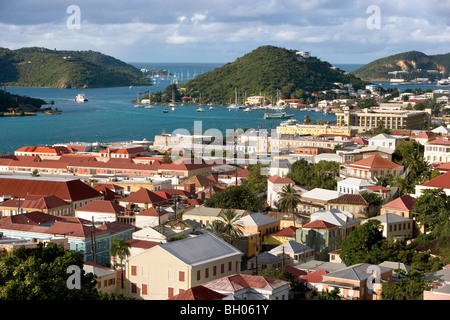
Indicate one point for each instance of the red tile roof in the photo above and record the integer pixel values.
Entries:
(143, 195)
(52, 150)
(313, 277)
(133, 150)
(79, 230)
(103, 206)
(152, 212)
(116, 226)
(142, 244)
(444, 167)
(350, 198)
(374, 162)
(378, 189)
(69, 190)
(405, 202)
(320, 224)
(285, 232)
(199, 293)
(279, 180)
(442, 181)
(441, 140)
(238, 282)
(108, 194)
(294, 271)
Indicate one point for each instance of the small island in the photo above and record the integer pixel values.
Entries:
(12, 105)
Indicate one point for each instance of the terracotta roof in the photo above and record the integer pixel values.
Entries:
(444, 167)
(313, 277)
(163, 194)
(441, 140)
(69, 190)
(142, 244)
(104, 206)
(285, 232)
(124, 150)
(35, 149)
(152, 212)
(378, 189)
(176, 192)
(144, 195)
(424, 135)
(405, 202)
(350, 198)
(279, 180)
(238, 282)
(116, 226)
(199, 181)
(108, 194)
(36, 218)
(294, 271)
(442, 181)
(198, 293)
(320, 224)
(374, 162)
(79, 230)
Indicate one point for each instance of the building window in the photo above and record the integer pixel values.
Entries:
(230, 266)
(214, 270)
(181, 276)
(133, 288)
(222, 268)
(207, 273)
(198, 275)
(170, 292)
(144, 289)
(133, 270)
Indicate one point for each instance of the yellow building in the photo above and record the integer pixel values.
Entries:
(280, 237)
(316, 130)
(168, 269)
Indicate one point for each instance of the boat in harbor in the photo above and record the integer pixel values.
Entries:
(278, 115)
(211, 108)
(200, 109)
(166, 111)
(248, 109)
(149, 106)
(81, 98)
(289, 122)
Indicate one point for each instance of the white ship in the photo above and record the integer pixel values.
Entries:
(81, 98)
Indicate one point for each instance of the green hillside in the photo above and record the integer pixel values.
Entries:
(9, 102)
(415, 64)
(39, 67)
(266, 71)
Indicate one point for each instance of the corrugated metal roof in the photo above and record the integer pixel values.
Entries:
(201, 249)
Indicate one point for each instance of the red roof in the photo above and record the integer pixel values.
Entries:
(374, 162)
(378, 189)
(108, 194)
(320, 224)
(444, 167)
(424, 135)
(144, 195)
(37, 202)
(285, 232)
(133, 150)
(405, 202)
(152, 212)
(350, 198)
(314, 277)
(103, 206)
(441, 140)
(52, 150)
(279, 180)
(198, 293)
(142, 244)
(69, 190)
(442, 181)
(79, 229)
(294, 271)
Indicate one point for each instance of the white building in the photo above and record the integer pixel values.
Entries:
(384, 140)
(343, 219)
(438, 150)
(353, 186)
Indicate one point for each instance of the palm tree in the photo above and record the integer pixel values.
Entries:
(229, 228)
(307, 119)
(120, 249)
(289, 199)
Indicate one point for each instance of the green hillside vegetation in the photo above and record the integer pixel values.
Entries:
(266, 71)
(414, 62)
(10, 102)
(39, 67)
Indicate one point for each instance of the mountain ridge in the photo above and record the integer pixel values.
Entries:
(407, 62)
(41, 67)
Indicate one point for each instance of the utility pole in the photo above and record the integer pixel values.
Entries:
(93, 244)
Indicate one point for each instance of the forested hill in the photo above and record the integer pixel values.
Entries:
(266, 71)
(40, 67)
(414, 64)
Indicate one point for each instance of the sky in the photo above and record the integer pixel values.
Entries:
(220, 31)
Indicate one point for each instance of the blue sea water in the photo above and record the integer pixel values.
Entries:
(109, 115)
